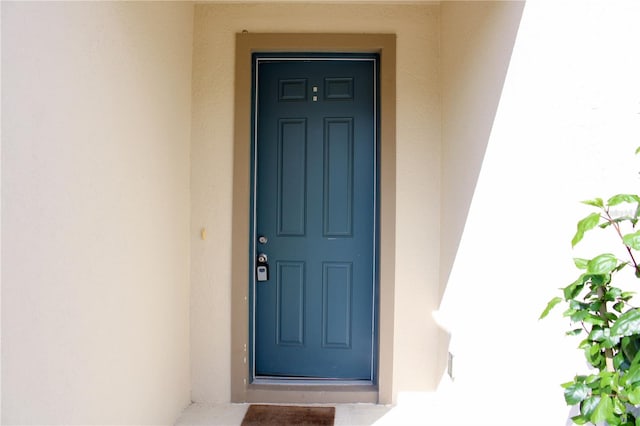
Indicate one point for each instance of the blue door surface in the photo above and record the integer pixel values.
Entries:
(315, 215)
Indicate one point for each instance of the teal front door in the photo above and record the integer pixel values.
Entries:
(314, 232)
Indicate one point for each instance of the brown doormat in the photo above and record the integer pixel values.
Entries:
(283, 415)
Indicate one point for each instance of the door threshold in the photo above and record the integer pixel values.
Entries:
(310, 391)
(309, 381)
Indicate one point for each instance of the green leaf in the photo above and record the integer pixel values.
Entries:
(627, 295)
(632, 375)
(612, 294)
(620, 266)
(631, 347)
(595, 306)
(579, 315)
(619, 307)
(569, 312)
(632, 240)
(627, 324)
(602, 264)
(608, 379)
(598, 280)
(596, 202)
(592, 319)
(634, 395)
(594, 355)
(622, 198)
(614, 420)
(606, 224)
(603, 335)
(553, 302)
(619, 362)
(574, 332)
(637, 150)
(610, 316)
(636, 359)
(580, 263)
(618, 406)
(586, 343)
(575, 393)
(573, 289)
(588, 405)
(578, 306)
(579, 420)
(597, 334)
(604, 409)
(584, 225)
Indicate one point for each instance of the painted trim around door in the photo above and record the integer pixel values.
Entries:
(246, 45)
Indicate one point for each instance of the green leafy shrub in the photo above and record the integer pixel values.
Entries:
(601, 313)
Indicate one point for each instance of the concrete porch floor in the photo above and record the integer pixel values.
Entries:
(232, 414)
(424, 410)
(438, 408)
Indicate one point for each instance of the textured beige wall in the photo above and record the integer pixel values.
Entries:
(418, 175)
(96, 101)
(476, 44)
(477, 39)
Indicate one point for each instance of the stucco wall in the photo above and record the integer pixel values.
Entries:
(418, 174)
(477, 39)
(96, 101)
